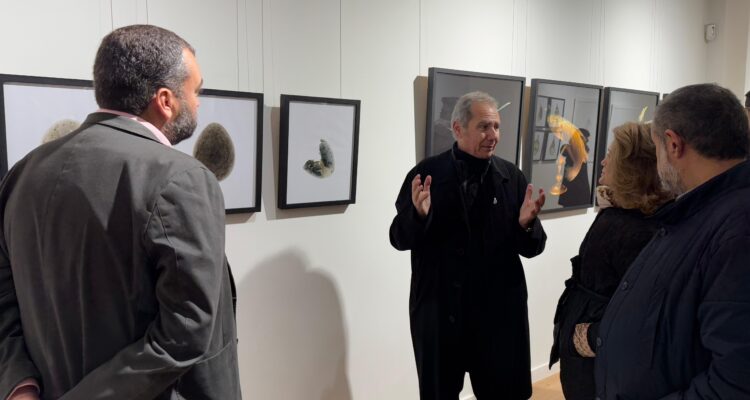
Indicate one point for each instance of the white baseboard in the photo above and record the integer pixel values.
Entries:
(542, 371)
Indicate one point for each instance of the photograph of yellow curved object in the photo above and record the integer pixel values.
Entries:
(573, 148)
(642, 115)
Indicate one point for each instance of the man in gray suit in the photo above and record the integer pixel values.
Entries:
(113, 279)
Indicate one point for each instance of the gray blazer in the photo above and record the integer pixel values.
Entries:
(113, 278)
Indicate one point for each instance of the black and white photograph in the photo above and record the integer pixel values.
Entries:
(318, 151)
(537, 145)
(540, 111)
(445, 86)
(66, 103)
(564, 169)
(228, 140)
(556, 106)
(620, 106)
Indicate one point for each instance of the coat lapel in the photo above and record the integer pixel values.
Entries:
(500, 176)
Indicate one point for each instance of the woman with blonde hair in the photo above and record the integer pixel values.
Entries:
(629, 192)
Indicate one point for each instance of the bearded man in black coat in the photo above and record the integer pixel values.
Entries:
(677, 327)
(467, 215)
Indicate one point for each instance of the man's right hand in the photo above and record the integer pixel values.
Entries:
(420, 194)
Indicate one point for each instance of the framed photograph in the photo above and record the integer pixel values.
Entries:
(318, 151)
(618, 107)
(36, 110)
(563, 167)
(537, 145)
(556, 106)
(228, 138)
(541, 110)
(445, 86)
(229, 141)
(551, 147)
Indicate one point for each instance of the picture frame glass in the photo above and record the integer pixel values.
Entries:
(446, 88)
(318, 131)
(65, 109)
(559, 155)
(225, 140)
(629, 107)
(621, 106)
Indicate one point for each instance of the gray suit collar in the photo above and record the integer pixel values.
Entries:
(120, 123)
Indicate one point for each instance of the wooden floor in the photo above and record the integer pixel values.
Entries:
(548, 389)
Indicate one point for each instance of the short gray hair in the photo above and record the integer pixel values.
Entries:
(708, 117)
(462, 109)
(135, 61)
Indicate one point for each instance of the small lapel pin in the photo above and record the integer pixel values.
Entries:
(494, 200)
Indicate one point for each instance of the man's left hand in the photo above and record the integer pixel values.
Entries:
(530, 207)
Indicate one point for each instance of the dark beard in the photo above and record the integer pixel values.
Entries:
(182, 127)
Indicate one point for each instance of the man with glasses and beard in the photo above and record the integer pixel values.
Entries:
(677, 327)
(113, 278)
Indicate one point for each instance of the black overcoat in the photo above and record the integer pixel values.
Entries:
(438, 247)
(613, 241)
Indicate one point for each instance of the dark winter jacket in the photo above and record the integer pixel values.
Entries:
(678, 326)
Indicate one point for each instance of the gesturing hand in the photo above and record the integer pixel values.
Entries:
(530, 207)
(420, 195)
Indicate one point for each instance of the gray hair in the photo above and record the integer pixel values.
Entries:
(462, 109)
(708, 117)
(135, 61)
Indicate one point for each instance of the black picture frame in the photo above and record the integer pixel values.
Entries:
(318, 150)
(577, 102)
(620, 105)
(445, 86)
(234, 121)
(29, 103)
(544, 106)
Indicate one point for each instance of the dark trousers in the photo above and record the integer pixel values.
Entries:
(577, 378)
(441, 377)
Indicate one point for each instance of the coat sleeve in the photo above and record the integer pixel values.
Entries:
(723, 318)
(15, 363)
(185, 241)
(408, 228)
(528, 244)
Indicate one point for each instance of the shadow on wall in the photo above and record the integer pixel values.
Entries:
(292, 341)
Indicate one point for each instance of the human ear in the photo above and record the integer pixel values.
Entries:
(165, 102)
(457, 128)
(675, 145)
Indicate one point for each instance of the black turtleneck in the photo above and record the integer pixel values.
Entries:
(471, 173)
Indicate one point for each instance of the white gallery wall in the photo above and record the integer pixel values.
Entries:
(322, 295)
